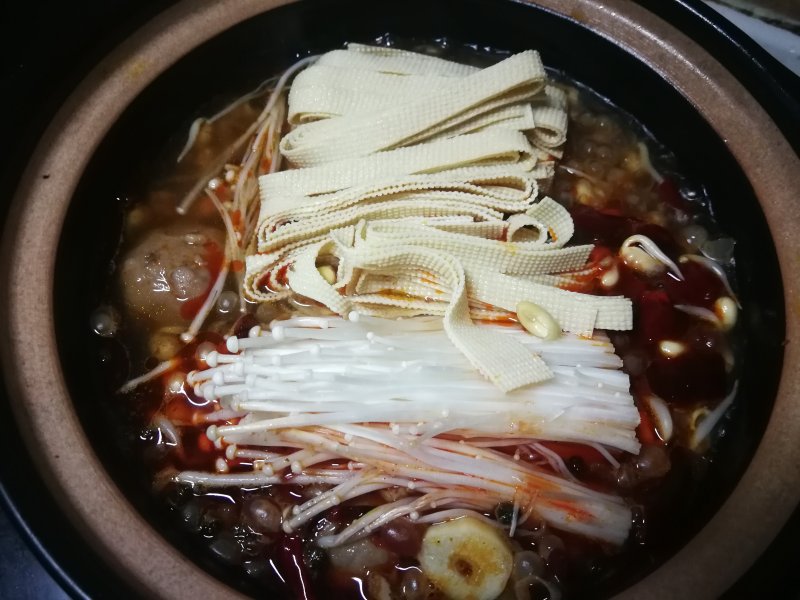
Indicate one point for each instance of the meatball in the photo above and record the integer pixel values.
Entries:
(167, 275)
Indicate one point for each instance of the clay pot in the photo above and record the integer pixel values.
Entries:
(712, 112)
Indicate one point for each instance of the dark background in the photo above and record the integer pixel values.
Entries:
(46, 47)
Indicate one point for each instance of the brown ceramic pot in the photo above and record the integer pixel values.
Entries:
(755, 510)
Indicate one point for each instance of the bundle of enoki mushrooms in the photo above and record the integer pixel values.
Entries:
(446, 351)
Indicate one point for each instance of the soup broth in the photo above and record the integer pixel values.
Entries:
(653, 242)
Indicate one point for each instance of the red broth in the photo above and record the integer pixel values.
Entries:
(686, 360)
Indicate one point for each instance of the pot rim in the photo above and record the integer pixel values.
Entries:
(38, 391)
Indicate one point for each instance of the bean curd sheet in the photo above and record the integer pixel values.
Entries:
(472, 360)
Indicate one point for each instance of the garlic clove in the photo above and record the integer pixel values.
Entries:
(466, 558)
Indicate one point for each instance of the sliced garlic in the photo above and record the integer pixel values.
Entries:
(538, 321)
(466, 558)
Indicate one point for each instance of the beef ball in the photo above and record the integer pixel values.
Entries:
(166, 276)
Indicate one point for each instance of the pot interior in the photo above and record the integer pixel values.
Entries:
(238, 59)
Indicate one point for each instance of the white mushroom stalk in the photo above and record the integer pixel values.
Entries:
(316, 372)
(392, 403)
(438, 474)
(265, 126)
(240, 215)
(231, 250)
(194, 129)
(156, 372)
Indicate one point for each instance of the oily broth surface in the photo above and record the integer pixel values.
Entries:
(604, 191)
